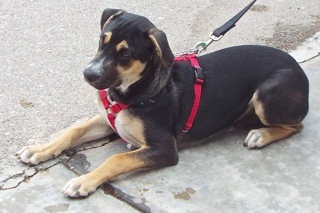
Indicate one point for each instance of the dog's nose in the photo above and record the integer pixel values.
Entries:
(91, 75)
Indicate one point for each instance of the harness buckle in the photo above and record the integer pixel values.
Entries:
(198, 72)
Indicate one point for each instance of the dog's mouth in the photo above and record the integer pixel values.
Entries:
(104, 84)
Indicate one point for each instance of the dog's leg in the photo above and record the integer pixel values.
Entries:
(282, 116)
(140, 159)
(94, 128)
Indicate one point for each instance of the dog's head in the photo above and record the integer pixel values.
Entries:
(130, 45)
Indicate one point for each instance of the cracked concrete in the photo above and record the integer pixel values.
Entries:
(42, 193)
(38, 188)
(15, 180)
(66, 159)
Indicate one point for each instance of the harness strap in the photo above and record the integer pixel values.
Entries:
(197, 87)
(111, 109)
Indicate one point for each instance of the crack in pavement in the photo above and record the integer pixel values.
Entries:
(109, 189)
(309, 59)
(72, 160)
(25, 175)
(14, 181)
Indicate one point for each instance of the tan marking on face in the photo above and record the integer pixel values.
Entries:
(130, 74)
(121, 45)
(259, 108)
(107, 37)
(131, 129)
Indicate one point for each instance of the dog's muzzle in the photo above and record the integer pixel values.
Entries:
(91, 76)
(92, 72)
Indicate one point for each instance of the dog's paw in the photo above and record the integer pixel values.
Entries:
(79, 187)
(255, 139)
(34, 154)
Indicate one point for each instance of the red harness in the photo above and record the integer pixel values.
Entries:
(197, 87)
(113, 109)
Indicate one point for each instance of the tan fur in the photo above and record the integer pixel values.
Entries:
(264, 136)
(131, 128)
(108, 21)
(107, 37)
(92, 129)
(116, 165)
(131, 74)
(121, 45)
(110, 169)
(259, 108)
(261, 137)
(158, 49)
(276, 133)
(95, 128)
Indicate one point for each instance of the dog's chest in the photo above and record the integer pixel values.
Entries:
(128, 127)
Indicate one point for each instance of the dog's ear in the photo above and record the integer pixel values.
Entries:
(109, 14)
(159, 39)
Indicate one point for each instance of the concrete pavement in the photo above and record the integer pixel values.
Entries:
(44, 47)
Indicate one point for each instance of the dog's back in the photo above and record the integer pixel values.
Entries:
(232, 76)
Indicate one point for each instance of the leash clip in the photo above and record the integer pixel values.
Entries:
(219, 32)
(202, 46)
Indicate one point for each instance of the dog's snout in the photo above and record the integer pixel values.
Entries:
(93, 71)
(91, 75)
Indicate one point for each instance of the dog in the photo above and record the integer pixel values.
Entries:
(243, 86)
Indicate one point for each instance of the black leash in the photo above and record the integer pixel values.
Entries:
(218, 33)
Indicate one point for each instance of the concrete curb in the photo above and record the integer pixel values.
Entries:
(308, 50)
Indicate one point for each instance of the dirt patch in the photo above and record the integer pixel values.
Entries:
(26, 104)
(185, 195)
(288, 37)
(259, 8)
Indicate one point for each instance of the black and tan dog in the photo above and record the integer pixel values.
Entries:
(135, 63)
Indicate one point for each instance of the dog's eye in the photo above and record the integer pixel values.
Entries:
(126, 54)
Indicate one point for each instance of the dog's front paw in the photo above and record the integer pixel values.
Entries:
(35, 154)
(79, 187)
(255, 139)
